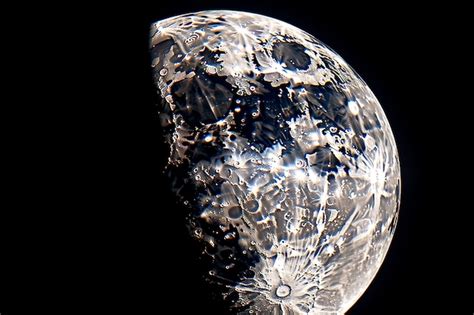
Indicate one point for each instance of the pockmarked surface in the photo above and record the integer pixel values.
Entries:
(282, 156)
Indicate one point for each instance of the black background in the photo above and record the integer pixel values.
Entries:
(91, 225)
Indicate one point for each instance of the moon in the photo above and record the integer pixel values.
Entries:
(283, 157)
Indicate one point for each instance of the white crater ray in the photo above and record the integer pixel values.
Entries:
(282, 156)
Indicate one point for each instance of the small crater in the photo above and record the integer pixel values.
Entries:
(292, 55)
(252, 206)
(234, 212)
(283, 291)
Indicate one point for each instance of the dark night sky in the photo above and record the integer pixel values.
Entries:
(119, 243)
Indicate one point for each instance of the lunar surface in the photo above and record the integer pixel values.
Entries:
(283, 158)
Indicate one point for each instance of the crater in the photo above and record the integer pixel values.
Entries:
(292, 55)
(283, 291)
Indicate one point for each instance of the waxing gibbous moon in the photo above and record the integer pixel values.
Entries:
(282, 156)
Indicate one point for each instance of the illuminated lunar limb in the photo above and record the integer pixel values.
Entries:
(283, 157)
